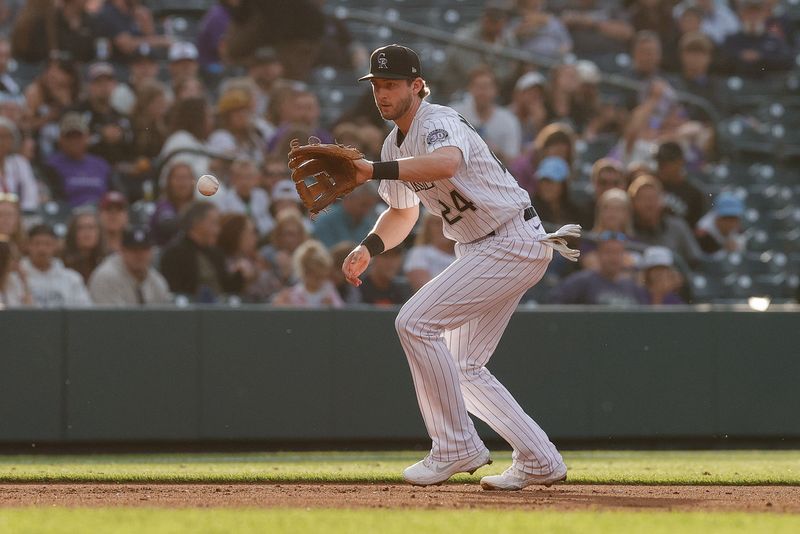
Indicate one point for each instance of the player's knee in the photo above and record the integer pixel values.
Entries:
(402, 322)
(470, 371)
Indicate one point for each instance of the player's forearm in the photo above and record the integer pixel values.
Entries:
(394, 225)
(440, 164)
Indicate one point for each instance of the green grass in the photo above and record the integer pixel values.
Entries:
(586, 467)
(200, 521)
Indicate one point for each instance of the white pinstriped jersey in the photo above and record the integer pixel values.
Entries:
(478, 199)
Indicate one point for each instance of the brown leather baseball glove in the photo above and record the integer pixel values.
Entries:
(322, 172)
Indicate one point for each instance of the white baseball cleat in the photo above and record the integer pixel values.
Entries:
(429, 472)
(513, 479)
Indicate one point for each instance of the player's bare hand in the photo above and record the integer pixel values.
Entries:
(363, 170)
(355, 264)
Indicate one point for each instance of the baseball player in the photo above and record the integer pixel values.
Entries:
(451, 326)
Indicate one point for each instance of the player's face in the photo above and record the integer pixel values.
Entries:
(393, 97)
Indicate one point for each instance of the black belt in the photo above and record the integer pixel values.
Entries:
(528, 214)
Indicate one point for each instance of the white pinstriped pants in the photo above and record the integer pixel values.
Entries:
(449, 330)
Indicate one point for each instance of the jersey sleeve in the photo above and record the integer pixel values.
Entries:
(397, 194)
(394, 192)
(447, 130)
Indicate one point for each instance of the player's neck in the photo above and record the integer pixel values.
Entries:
(404, 122)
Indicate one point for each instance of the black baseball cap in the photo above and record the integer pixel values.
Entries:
(394, 62)
(133, 238)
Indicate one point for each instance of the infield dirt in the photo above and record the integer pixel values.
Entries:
(785, 499)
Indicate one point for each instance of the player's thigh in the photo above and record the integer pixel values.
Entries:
(468, 288)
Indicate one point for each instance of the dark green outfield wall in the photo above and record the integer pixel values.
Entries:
(257, 374)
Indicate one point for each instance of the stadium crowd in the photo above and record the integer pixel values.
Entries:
(102, 149)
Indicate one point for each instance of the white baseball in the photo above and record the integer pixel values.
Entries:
(207, 185)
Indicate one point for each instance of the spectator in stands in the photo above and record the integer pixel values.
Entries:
(280, 108)
(75, 175)
(288, 234)
(16, 174)
(274, 170)
(652, 15)
(491, 30)
(114, 219)
(129, 278)
(48, 97)
(718, 20)
(238, 240)
(562, 94)
(293, 27)
(598, 28)
(36, 18)
(660, 280)
(190, 125)
(431, 254)
(75, 30)
(9, 11)
(142, 71)
(190, 88)
(52, 285)
(284, 197)
(177, 195)
(245, 197)
(382, 285)
(149, 119)
(552, 200)
(111, 135)
(128, 24)
(681, 197)
(365, 137)
(211, 35)
(606, 174)
(553, 140)
(646, 56)
(46, 26)
(11, 220)
(261, 129)
(193, 265)
(661, 118)
(349, 219)
(337, 47)
(540, 32)
(721, 228)
(183, 63)
(237, 135)
(303, 110)
(613, 214)
(529, 105)
(780, 23)
(314, 289)
(8, 85)
(690, 20)
(83, 246)
(495, 124)
(696, 54)
(265, 70)
(608, 285)
(14, 290)
(13, 108)
(753, 51)
(591, 115)
(347, 291)
(653, 226)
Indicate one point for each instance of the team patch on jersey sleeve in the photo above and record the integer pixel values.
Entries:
(437, 136)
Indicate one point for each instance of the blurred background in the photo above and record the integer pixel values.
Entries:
(667, 129)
